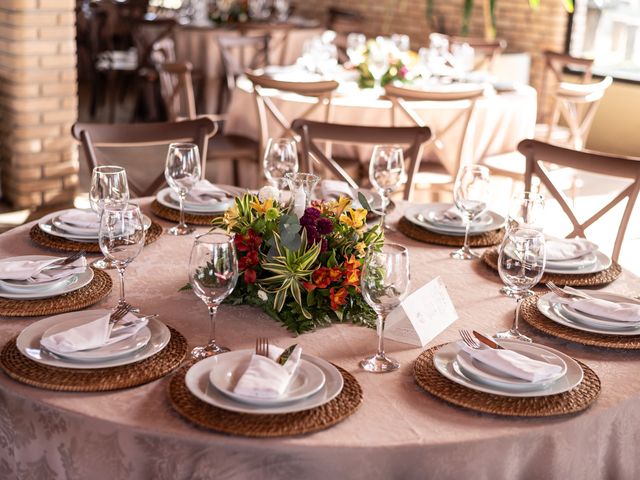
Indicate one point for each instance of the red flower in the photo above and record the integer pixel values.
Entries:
(338, 298)
(351, 263)
(247, 242)
(249, 276)
(249, 260)
(321, 277)
(335, 274)
(308, 286)
(352, 278)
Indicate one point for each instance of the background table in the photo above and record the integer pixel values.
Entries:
(399, 432)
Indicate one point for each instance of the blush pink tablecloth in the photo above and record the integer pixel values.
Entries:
(400, 432)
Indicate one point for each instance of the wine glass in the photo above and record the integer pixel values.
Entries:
(378, 65)
(526, 210)
(384, 283)
(280, 158)
(282, 9)
(213, 272)
(386, 174)
(109, 188)
(470, 194)
(356, 45)
(520, 265)
(121, 238)
(182, 172)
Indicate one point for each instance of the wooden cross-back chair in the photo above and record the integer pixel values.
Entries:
(539, 154)
(311, 132)
(401, 98)
(322, 91)
(95, 135)
(486, 51)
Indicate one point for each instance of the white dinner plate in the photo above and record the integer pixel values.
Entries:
(434, 212)
(486, 374)
(415, 214)
(574, 263)
(550, 310)
(197, 381)
(445, 362)
(230, 366)
(46, 225)
(28, 343)
(108, 352)
(167, 197)
(596, 320)
(601, 263)
(74, 229)
(67, 285)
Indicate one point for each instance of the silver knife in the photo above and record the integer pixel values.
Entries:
(487, 341)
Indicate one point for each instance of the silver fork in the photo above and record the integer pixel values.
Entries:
(72, 258)
(564, 294)
(262, 346)
(117, 314)
(469, 340)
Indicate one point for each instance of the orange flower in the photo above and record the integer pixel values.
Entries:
(352, 263)
(321, 277)
(335, 274)
(338, 298)
(352, 278)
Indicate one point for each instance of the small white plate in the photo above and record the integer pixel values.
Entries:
(552, 312)
(445, 362)
(307, 380)
(46, 225)
(486, 374)
(28, 343)
(415, 213)
(574, 263)
(166, 197)
(74, 229)
(593, 320)
(433, 213)
(197, 381)
(108, 352)
(602, 263)
(69, 284)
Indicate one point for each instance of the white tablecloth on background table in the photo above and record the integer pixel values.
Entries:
(399, 432)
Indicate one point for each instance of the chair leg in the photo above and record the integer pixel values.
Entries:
(236, 172)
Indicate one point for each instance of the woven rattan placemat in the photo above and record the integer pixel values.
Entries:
(530, 313)
(572, 401)
(25, 370)
(487, 239)
(272, 425)
(62, 244)
(490, 257)
(93, 292)
(173, 215)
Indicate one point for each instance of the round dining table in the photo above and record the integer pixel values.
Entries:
(399, 431)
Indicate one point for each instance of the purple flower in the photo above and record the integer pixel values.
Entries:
(324, 245)
(324, 226)
(312, 234)
(311, 212)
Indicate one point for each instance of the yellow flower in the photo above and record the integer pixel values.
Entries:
(230, 217)
(354, 218)
(337, 207)
(360, 247)
(262, 207)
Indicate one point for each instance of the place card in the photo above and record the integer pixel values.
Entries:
(422, 315)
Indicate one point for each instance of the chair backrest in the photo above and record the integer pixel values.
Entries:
(485, 51)
(127, 137)
(554, 66)
(238, 54)
(538, 154)
(176, 88)
(464, 101)
(321, 90)
(577, 103)
(311, 132)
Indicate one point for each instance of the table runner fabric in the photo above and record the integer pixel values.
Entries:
(398, 432)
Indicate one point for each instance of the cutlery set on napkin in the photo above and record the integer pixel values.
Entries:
(32, 271)
(203, 198)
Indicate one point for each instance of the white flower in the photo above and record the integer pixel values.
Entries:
(262, 295)
(268, 192)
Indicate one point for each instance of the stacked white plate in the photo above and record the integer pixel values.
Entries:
(146, 342)
(433, 218)
(169, 198)
(56, 226)
(458, 366)
(23, 290)
(212, 380)
(333, 189)
(590, 263)
(564, 314)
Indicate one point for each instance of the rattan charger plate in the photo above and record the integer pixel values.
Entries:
(173, 215)
(62, 244)
(490, 257)
(93, 292)
(530, 313)
(25, 370)
(487, 239)
(272, 425)
(573, 401)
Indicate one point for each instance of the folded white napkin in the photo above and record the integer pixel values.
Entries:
(621, 312)
(40, 271)
(515, 364)
(332, 189)
(451, 216)
(204, 193)
(92, 334)
(81, 218)
(568, 248)
(265, 378)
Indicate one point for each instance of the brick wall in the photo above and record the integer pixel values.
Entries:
(38, 101)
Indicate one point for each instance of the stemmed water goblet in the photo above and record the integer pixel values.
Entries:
(121, 239)
(280, 158)
(386, 174)
(301, 184)
(356, 46)
(385, 283)
(213, 273)
(520, 265)
(109, 188)
(182, 171)
(470, 195)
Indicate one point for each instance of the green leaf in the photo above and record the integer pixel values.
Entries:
(467, 9)
(364, 202)
(331, 261)
(186, 288)
(284, 356)
(534, 4)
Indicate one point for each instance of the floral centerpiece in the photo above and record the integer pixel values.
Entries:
(304, 272)
(399, 65)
